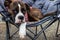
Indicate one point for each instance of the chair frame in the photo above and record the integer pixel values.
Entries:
(52, 19)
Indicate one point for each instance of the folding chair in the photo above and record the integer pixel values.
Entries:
(52, 19)
(8, 20)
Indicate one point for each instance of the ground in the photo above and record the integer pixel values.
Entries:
(50, 32)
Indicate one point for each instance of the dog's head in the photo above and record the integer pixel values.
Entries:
(21, 9)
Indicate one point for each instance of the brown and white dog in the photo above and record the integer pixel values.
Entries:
(24, 14)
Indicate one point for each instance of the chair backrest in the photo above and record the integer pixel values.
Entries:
(34, 0)
(2, 1)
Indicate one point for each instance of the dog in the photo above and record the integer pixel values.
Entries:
(24, 14)
(21, 18)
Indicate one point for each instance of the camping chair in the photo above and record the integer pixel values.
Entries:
(7, 19)
(52, 19)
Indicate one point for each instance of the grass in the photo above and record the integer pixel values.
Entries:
(50, 32)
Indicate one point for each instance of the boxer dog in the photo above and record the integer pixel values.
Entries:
(23, 13)
(22, 17)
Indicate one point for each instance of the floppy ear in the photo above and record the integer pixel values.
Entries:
(7, 2)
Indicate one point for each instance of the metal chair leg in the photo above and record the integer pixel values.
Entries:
(7, 31)
(43, 33)
(36, 31)
(57, 28)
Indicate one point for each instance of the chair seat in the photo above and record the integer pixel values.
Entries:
(52, 8)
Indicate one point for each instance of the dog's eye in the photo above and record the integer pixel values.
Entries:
(23, 10)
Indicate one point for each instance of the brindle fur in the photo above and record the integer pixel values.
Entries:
(34, 14)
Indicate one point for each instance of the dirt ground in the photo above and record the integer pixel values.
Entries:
(50, 32)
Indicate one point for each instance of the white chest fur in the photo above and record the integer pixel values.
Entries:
(22, 30)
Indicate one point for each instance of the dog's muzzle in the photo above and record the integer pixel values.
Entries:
(20, 18)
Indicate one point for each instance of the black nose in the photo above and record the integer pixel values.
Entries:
(21, 17)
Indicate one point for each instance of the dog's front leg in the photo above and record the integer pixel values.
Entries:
(22, 30)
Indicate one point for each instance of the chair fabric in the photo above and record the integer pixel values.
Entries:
(1, 2)
(46, 6)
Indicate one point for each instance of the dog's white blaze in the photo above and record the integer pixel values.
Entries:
(22, 30)
(19, 14)
(19, 7)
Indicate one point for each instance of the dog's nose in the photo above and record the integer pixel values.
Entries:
(21, 17)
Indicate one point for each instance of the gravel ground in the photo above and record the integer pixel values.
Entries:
(50, 32)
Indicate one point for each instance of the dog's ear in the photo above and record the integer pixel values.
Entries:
(7, 2)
